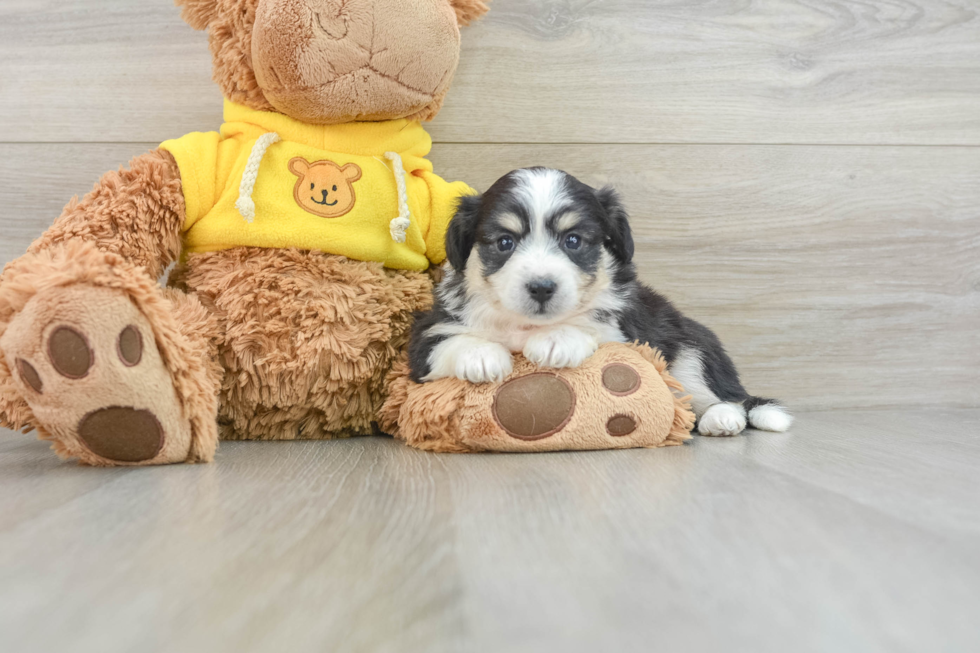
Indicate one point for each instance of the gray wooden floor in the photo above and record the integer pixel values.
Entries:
(858, 531)
(802, 177)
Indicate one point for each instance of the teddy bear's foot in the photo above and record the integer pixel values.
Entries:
(86, 361)
(621, 397)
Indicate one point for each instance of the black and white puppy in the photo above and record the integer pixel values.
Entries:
(542, 264)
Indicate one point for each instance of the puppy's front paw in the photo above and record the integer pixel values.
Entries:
(564, 347)
(484, 363)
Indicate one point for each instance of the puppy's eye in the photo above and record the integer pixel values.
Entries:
(573, 241)
(505, 243)
(335, 189)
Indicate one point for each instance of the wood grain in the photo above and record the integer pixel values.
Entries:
(559, 71)
(836, 276)
(857, 531)
(801, 219)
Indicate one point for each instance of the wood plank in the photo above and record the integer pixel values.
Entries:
(857, 531)
(638, 71)
(295, 547)
(34, 189)
(821, 451)
(837, 276)
(702, 535)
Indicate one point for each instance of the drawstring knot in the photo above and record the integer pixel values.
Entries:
(399, 226)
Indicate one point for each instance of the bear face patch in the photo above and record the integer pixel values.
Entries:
(324, 188)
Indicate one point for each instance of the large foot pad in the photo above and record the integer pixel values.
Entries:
(86, 362)
(622, 397)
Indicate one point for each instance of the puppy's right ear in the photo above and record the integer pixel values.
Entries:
(620, 240)
(198, 13)
(461, 236)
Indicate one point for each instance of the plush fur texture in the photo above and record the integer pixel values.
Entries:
(136, 212)
(453, 416)
(273, 344)
(198, 13)
(306, 339)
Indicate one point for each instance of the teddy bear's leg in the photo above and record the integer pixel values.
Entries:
(620, 397)
(308, 338)
(103, 362)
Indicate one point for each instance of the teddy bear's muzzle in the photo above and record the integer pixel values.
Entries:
(326, 62)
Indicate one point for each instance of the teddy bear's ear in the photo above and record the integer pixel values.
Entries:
(469, 10)
(299, 166)
(352, 172)
(198, 13)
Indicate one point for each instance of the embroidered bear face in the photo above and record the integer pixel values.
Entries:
(324, 188)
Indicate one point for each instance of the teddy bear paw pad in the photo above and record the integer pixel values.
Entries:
(619, 426)
(126, 435)
(534, 407)
(69, 352)
(620, 379)
(88, 367)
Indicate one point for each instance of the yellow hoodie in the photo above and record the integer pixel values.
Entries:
(362, 190)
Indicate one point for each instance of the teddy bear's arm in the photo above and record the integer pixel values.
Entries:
(136, 212)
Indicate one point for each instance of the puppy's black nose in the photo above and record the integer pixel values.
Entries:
(542, 290)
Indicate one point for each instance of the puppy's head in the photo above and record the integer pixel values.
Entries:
(540, 244)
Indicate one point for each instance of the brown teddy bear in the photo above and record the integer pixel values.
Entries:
(303, 231)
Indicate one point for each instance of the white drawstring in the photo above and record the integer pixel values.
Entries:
(399, 226)
(245, 203)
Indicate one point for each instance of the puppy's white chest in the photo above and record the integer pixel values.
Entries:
(515, 338)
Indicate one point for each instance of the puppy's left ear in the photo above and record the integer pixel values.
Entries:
(620, 238)
(461, 236)
(469, 10)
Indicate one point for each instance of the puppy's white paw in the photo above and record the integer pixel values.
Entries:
(562, 347)
(484, 363)
(722, 419)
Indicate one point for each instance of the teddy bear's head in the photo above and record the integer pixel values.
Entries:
(335, 61)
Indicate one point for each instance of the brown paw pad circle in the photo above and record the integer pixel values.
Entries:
(534, 407)
(130, 346)
(620, 380)
(125, 435)
(620, 426)
(29, 375)
(70, 353)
